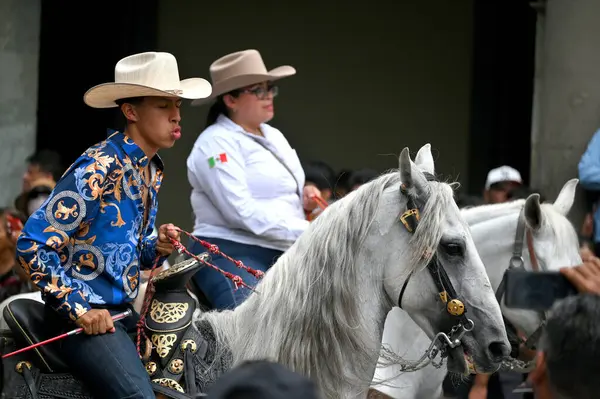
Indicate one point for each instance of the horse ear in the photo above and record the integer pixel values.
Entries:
(406, 168)
(410, 175)
(566, 197)
(533, 212)
(424, 159)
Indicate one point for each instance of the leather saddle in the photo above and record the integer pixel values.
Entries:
(172, 342)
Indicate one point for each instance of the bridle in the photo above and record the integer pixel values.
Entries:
(455, 308)
(517, 263)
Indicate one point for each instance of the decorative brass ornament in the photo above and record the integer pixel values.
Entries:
(176, 366)
(444, 296)
(169, 383)
(19, 367)
(456, 307)
(189, 343)
(410, 213)
(163, 343)
(151, 367)
(168, 313)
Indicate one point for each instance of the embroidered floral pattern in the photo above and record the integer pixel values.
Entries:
(87, 242)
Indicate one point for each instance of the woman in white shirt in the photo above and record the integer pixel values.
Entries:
(248, 192)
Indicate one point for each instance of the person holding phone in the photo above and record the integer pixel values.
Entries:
(570, 346)
(585, 277)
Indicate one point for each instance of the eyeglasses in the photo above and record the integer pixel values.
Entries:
(262, 92)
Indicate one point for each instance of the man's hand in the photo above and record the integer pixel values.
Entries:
(309, 192)
(96, 321)
(585, 277)
(163, 244)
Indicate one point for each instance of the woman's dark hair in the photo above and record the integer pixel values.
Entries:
(219, 108)
(215, 110)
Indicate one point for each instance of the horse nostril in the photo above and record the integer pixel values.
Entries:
(498, 350)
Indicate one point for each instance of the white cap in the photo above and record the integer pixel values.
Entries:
(502, 174)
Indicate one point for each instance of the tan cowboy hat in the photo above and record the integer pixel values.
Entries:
(146, 74)
(241, 69)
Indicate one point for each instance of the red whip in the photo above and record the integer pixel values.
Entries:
(116, 317)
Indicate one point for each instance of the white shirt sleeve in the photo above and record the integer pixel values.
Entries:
(225, 184)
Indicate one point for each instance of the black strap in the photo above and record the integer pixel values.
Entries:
(30, 382)
(278, 158)
(189, 372)
(402, 290)
(444, 285)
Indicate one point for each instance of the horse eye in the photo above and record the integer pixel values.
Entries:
(453, 249)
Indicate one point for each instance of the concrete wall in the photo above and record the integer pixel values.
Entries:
(19, 53)
(567, 101)
(371, 79)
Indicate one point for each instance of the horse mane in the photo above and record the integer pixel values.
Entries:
(307, 314)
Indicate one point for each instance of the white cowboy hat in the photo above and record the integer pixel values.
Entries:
(146, 74)
(241, 69)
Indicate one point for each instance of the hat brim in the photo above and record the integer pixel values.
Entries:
(105, 95)
(239, 81)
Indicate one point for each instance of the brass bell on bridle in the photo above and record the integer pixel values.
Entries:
(456, 307)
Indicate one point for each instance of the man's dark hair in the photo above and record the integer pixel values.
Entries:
(48, 161)
(321, 174)
(571, 344)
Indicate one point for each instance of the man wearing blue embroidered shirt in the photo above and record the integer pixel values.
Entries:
(85, 247)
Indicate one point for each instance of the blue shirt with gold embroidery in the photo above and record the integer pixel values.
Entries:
(88, 241)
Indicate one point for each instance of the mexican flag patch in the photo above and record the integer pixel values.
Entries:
(217, 159)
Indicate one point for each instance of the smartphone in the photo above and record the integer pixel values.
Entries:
(535, 290)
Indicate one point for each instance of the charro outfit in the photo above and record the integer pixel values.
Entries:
(85, 247)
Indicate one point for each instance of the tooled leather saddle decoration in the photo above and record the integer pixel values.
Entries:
(167, 326)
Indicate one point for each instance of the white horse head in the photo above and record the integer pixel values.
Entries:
(549, 241)
(456, 252)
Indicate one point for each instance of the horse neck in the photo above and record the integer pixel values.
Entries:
(309, 318)
(494, 240)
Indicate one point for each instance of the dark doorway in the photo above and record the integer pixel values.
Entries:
(502, 90)
(79, 46)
